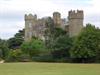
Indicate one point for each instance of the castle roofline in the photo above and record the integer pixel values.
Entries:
(30, 16)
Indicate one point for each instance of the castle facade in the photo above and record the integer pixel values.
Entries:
(72, 24)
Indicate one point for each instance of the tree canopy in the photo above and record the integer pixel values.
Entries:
(86, 44)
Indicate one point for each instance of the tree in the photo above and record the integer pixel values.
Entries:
(17, 40)
(57, 40)
(14, 55)
(86, 44)
(3, 49)
(34, 47)
(52, 32)
(49, 32)
(62, 46)
(20, 33)
(98, 46)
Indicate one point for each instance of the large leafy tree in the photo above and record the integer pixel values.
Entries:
(62, 46)
(57, 40)
(17, 40)
(98, 46)
(52, 32)
(86, 45)
(49, 32)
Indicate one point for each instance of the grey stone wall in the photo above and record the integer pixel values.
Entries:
(75, 22)
(36, 27)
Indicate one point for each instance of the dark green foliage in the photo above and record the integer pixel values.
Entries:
(52, 33)
(61, 46)
(43, 58)
(62, 42)
(48, 32)
(86, 44)
(57, 46)
(58, 32)
(17, 40)
(57, 41)
(3, 49)
(98, 45)
(20, 34)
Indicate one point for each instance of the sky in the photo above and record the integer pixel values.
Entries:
(12, 12)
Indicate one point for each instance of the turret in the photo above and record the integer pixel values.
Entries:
(75, 22)
(30, 22)
(30, 17)
(76, 14)
(57, 19)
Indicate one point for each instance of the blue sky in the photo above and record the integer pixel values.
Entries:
(12, 12)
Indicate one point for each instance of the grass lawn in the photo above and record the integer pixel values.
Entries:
(49, 69)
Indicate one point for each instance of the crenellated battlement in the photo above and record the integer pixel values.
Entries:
(56, 14)
(35, 27)
(30, 17)
(76, 14)
(75, 19)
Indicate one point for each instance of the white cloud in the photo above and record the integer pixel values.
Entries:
(96, 5)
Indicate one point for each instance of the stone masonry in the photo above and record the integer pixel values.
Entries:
(75, 22)
(35, 27)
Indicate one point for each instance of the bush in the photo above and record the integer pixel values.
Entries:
(43, 58)
(14, 55)
(34, 47)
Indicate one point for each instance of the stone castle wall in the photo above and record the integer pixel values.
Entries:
(36, 27)
(75, 22)
(30, 22)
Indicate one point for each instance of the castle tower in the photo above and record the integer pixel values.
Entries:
(30, 21)
(57, 19)
(75, 22)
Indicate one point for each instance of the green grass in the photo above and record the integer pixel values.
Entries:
(49, 69)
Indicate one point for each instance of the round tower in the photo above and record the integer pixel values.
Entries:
(57, 19)
(30, 21)
(75, 22)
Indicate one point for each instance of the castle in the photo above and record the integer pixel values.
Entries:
(35, 27)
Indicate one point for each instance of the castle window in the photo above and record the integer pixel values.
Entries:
(30, 25)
